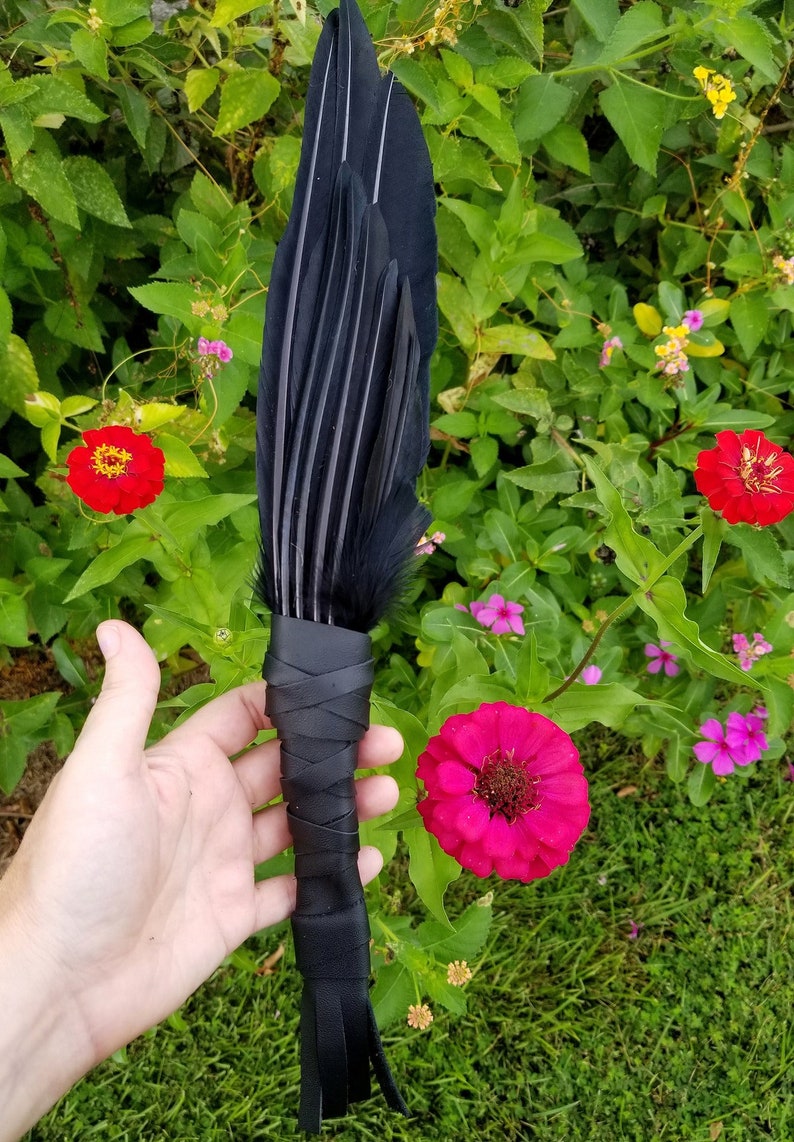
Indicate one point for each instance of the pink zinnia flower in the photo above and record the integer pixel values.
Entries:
(591, 675)
(500, 615)
(661, 659)
(505, 792)
(723, 750)
(694, 319)
(748, 734)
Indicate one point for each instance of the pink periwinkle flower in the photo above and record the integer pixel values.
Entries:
(750, 652)
(723, 749)
(607, 349)
(661, 659)
(748, 734)
(694, 319)
(591, 675)
(506, 792)
(499, 615)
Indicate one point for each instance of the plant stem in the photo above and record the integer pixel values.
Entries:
(623, 607)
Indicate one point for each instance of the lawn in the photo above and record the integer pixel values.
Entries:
(575, 1030)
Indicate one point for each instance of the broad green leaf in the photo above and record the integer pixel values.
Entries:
(715, 310)
(155, 414)
(228, 10)
(118, 13)
(43, 177)
(18, 370)
(137, 113)
(749, 316)
(5, 317)
(554, 241)
(457, 305)
(676, 759)
(540, 105)
(463, 424)
(639, 115)
(185, 520)
(527, 402)
(75, 406)
(636, 556)
(415, 78)
(180, 460)
(430, 870)
(92, 52)
(761, 552)
(13, 757)
(245, 97)
(394, 991)
(175, 299)
(17, 129)
(552, 477)
(640, 24)
(56, 95)
(701, 784)
(458, 68)
(532, 675)
(74, 323)
(8, 469)
(13, 620)
(516, 339)
(200, 83)
(600, 16)
(470, 931)
(747, 35)
(484, 453)
(498, 134)
(567, 145)
(509, 71)
(519, 28)
(580, 705)
(94, 190)
(110, 563)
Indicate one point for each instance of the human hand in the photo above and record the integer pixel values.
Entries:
(135, 878)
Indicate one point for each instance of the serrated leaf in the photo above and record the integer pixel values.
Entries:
(567, 145)
(174, 299)
(18, 370)
(200, 83)
(54, 94)
(484, 454)
(580, 705)
(137, 113)
(94, 190)
(639, 115)
(642, 23)
(601, 16)
(761, 552)
(17, 129)
(430, 870)
(393, 993)
(44, 179)
(77, 325)
(91, 51)
(747, 35)
(498, 134)
(541, 104)
(245, 97)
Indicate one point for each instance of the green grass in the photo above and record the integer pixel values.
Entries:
(574, 1031)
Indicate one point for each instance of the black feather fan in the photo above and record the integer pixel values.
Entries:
(342, 434)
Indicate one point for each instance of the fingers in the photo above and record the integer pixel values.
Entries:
(275, 898)
(374, 796)
(121, 716)
(258, 771)
(230, 721)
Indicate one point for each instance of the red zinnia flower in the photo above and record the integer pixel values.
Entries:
(116, 470)
(747, 478)
(505, 792)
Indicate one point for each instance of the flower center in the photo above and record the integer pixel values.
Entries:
(758, 474)
(110, 461)
(506, 787)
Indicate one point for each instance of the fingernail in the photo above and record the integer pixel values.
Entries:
(107, 636)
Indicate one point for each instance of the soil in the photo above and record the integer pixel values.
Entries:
(33, 671)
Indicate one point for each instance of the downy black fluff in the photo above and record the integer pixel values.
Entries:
(342, 414)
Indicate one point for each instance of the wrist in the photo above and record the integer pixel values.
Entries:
(44, 1048)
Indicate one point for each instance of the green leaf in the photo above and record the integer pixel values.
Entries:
(457, 305)
(94, 190)
(430, 870)
(226, 11)
(185, 521)
(91, 51)
(174, 299)
(13, 620)
(18, 370)
(553, 476)
(13, 758)
(17, 130)
(516, 339)
(73, 323)
(5, 317)
(110, 563)
(458, 68)
(636, 556)
(701, 784)
(180, 460)
(761, 552)
(747, 35)
(527, 402)
(463, 424)
(8, 469)
(393, 993)
(580, 705)
(639, 115)
(200, 83)
(43, 177)
(484, 453)
(498, 134)
(245, 96)
(31, 714)
(70, 665)
(637, 26)
(675, 759)
(509, 71)
(599, 15)
(56, 95)
(714, 529)
(137, 113)
(568, 145)
(541, 103)
(749, 316)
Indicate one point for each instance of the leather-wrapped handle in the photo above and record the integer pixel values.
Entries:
(319, 681)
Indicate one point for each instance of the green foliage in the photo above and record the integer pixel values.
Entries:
(592, 187)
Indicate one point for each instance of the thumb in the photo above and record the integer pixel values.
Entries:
(122, 714)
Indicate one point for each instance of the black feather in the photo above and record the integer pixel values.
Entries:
(342, 420)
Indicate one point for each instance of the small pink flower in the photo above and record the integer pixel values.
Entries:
(661, 659)
(427, 545)
(635, 929)
(607, 349)
(748, 734)
(789, 776)
(500, 615)
(722, 750)
(204, 347)
(591, 675)
(694, 319)
(750, 652)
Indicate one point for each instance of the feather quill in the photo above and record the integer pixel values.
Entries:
(342, 434)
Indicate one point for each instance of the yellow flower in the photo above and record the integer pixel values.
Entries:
(702, 74)
(717, 88)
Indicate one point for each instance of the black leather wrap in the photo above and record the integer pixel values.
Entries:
(319, 680)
